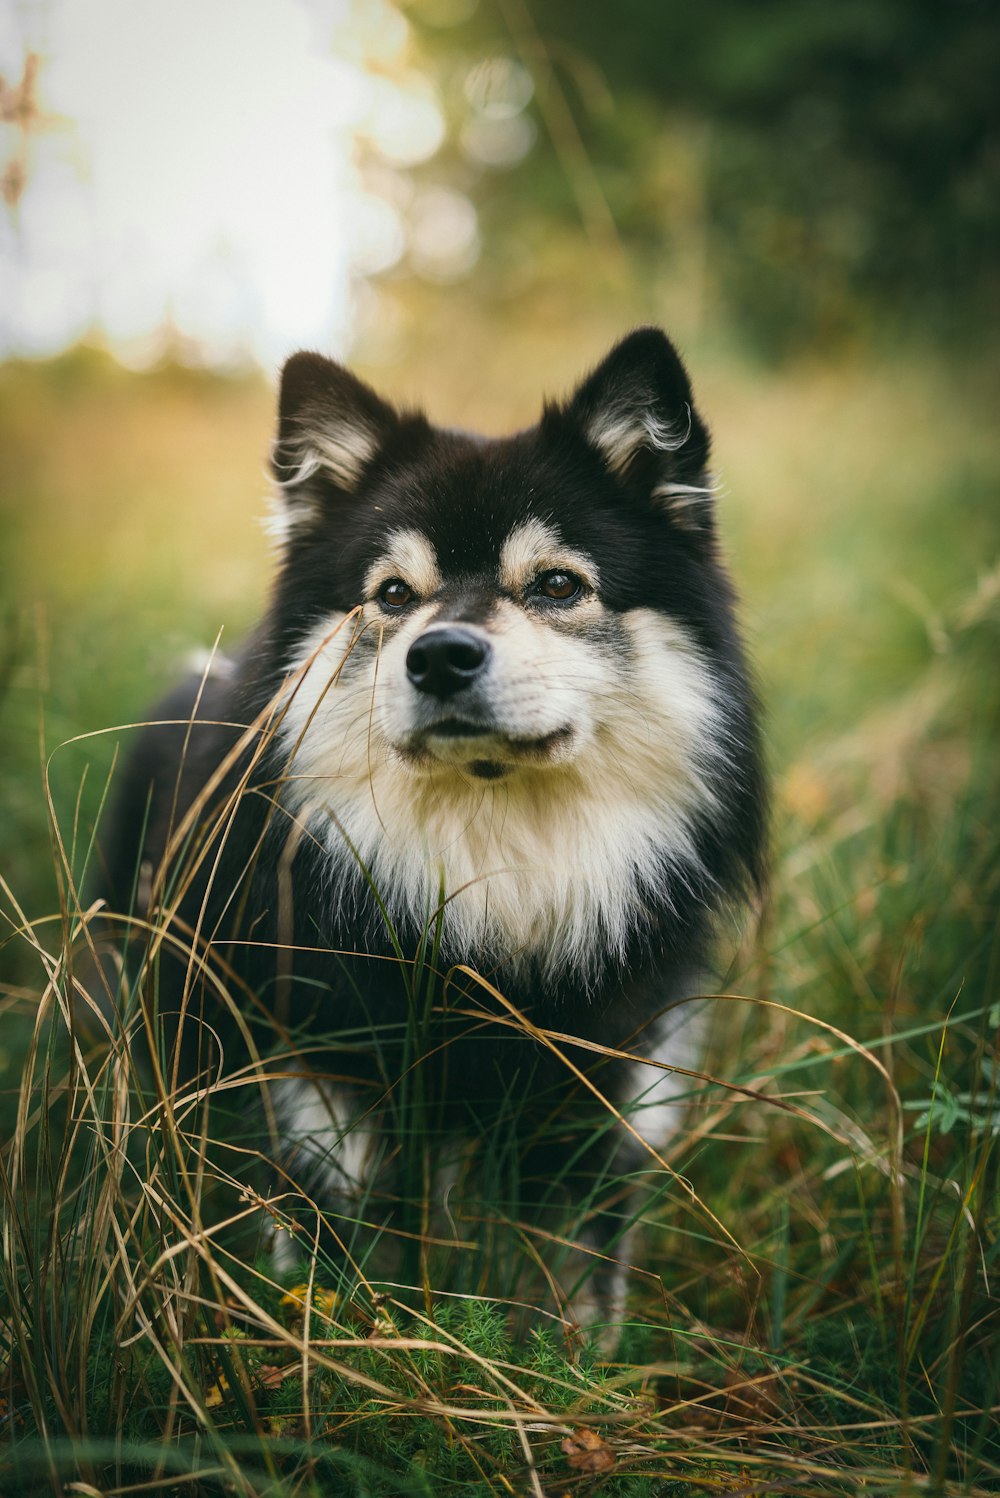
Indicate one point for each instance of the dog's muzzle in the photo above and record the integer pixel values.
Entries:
(454, 722)
(446, 660)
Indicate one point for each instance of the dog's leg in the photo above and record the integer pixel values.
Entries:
(655, 1099)
(653, 1105)
(329, 1153)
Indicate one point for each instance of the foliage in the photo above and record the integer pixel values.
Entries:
(805, 162)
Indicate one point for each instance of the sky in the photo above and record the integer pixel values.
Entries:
(197, 166)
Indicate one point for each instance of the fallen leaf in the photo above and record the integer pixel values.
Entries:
(586, 1451)
(216, 1392)
(324, 1301)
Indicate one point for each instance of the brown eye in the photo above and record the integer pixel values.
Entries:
(395, 594)
(561, 587)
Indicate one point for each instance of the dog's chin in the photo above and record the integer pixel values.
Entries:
(482, 752)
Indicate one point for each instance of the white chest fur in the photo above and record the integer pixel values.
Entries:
(552, 864)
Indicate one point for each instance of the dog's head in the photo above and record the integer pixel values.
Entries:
(495, 593)
(512, 663)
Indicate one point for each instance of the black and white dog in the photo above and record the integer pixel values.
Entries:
(496, 725)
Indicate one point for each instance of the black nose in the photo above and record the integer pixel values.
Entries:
(442, 661)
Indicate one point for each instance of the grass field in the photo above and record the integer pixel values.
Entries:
(817, 1308)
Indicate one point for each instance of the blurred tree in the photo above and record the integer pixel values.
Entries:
(19, 114)
(825, 158)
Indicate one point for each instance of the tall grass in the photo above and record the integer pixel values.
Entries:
(813, 1305)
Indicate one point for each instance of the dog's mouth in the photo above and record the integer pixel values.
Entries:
(458, 728)
(483, 750)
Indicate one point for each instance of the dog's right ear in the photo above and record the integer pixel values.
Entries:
(331, 425)
(637, 412)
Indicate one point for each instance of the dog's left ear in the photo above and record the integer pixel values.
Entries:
(330, 425)
(637, 410)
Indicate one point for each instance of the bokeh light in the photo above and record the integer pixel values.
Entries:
(194, 175)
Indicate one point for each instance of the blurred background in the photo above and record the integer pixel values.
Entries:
(221, 183)
(470, 200)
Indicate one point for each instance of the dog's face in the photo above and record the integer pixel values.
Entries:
(492, 596)
(493, 667)
(543, 614)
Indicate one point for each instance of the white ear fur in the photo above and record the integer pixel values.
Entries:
(330, 427)
(338, 448)
(685, 501)
(286, 512)
(618, 432)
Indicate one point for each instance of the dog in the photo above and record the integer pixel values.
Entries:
(462, 816)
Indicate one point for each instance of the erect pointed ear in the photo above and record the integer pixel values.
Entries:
(330, 427)
(637, 410)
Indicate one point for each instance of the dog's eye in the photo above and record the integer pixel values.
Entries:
(395, 594)
(561, 587)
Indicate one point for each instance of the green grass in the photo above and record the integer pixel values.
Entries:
(821, 1315)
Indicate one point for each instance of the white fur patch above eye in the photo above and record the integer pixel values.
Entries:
(535, 547)
(408, 555)
(620, 432)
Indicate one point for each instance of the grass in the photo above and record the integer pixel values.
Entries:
(818, 1313)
